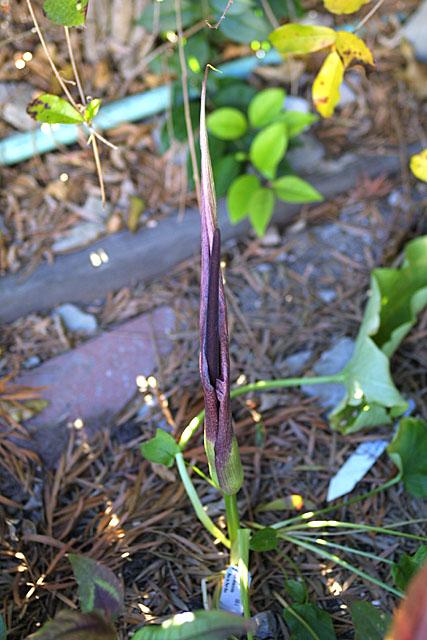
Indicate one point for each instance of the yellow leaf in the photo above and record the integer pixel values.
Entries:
(326, 86)
(418, 164)
(352, 48)
(299, 39)
(344, 6)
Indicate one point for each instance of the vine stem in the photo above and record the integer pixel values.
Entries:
(369, 15)
(260, 385)
(197, 505)
(49, 57)
(74, 65)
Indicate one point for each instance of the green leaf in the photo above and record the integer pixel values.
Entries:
(227, 123)
(397, 296)
(239, 196)
(261, 207)
(370, 623)
(3, 630)
(73, 625)
(294, 189)
(296, 121)
(161, 449)
(265, 106)
(297, 591)
(408, 450)
(68, 13)
(309, 622)
(238, 7)
(231, 93)
(264, 540)
(245, 27)
(225, 170)
(99, 589)
(209, 625)
(54, 110)
(299, 39)
(268, 148)
(404, 570)
(92, 109)
(191, 12)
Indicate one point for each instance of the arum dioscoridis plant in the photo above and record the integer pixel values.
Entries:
(221, 446)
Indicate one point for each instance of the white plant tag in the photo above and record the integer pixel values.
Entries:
(230, 599)
(355, 468)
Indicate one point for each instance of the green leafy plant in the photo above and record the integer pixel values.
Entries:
(396, 297)
(305, 619)
(101, 602)
(256, 146)
(408, 451)
(404, 570)
(370, 623)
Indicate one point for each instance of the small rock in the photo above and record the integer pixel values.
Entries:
(331, 361)
(77, 320)
(266, 625)
(327, 295)
(14, 100)
(31, 362)
(347, 95)
(308, 156)
(295, 103)
(415, 30)
(271, 238)
(295, 363)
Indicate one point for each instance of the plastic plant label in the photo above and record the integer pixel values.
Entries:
(355, 468)
(230, 598)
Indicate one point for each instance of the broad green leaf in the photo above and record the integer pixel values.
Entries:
(245, 27)
(232, 93)
(297, 591)
(294, 189)
(3, 630)
(299, 39)
(191, 12)
(404, 570)
(99, 589)
(418, 165)
(227, 123)
(239, 196)
(296, 121)
(264, 540)
(326, 85)
(261, 207)
(73, 625)
(309, 622)
(370, 623)
(92, 109)
(209, 625)
(397, 296)
(54, 110)
(268, 148)
(265, 106)
(225, 170)
(408, 450)
(236, 8)
(68, 13)
(161, 449)
(344, 6)
(351, 48)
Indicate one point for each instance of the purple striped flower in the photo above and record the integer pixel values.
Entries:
(220, 443)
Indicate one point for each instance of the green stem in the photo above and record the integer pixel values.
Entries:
(233, 526)
(343, 563)
(346, 503)
(197, 505)
(320, 524)
(243, 538)
(261, 385)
